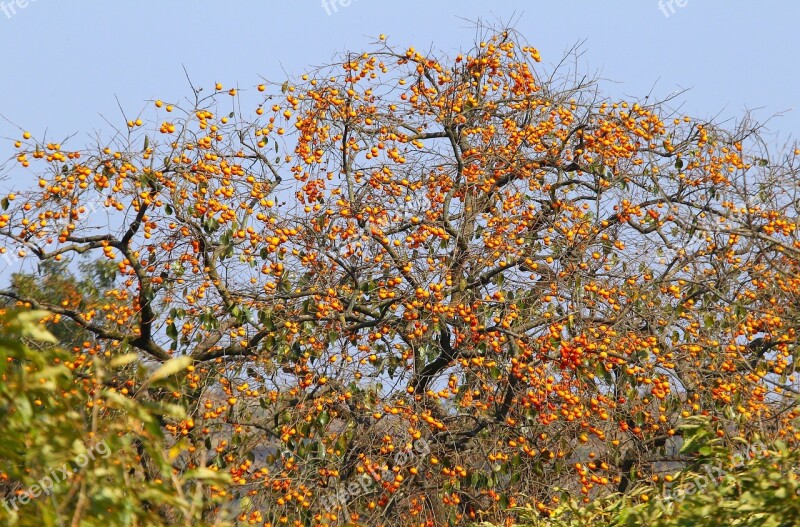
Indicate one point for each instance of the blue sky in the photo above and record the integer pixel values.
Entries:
(66, 63)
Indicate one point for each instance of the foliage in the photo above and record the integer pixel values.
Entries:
(475, 251)
(55, 283)
(72, 450)
(760, 489)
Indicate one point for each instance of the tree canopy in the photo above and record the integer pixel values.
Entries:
(409, 288)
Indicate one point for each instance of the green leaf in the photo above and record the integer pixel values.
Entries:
(24, 408)
(704, 450)
(206, 474)
(171, 367)
(122, 360)
(129, 406)
(172, 331)
(166, 409)
(503, 502)
(27, 324)
(600, 371)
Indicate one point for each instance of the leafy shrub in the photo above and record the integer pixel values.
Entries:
(75, 452)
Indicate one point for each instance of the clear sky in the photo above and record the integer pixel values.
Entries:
(65, 63)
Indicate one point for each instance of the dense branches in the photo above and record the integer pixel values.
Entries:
(538, 283)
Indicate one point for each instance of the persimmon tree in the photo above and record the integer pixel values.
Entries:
(419, 289)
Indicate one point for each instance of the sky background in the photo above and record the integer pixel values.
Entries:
(66, 63)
